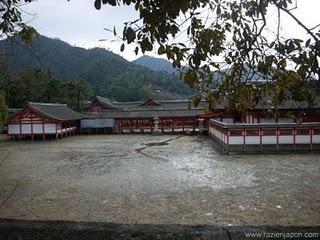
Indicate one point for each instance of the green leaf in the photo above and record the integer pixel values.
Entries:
(131, 35)
(308, 42)
(97, 4)
(27, 34)
(114, 31)
(136, 50)
(112, 2)
(196, 100)
(146, 45)
(190, 78)
(161, 50)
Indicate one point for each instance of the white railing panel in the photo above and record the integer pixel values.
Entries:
(269, 139)
(236, 140)
(288, 139)
(252, 140)
(316, 138)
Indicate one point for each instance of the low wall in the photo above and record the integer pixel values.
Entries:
(265, 136)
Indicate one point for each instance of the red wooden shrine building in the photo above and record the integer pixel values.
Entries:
(143, 116)
(43, 119)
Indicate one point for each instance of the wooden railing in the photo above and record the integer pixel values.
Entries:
(265, 136)
(164, 124)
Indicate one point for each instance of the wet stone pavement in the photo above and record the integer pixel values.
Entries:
(163, 179)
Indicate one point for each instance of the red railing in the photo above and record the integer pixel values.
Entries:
(261, 134)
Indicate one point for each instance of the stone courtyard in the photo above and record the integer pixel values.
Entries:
(163, 179)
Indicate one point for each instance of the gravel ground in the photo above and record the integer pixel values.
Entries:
(163, 179)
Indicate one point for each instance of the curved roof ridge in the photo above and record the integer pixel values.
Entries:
(47, 104)
(55, 111)
(105, 102)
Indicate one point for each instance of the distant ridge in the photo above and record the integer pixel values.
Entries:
(109, 74)
(156, 64)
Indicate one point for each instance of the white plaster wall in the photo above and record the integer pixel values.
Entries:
(26, 129)
(13, 128)
(97, 123)
(253, 140)
(286, 139)
(269, 139)
(37, 128)
(51, 127)
(316, 138)
(235, 140)
(303, 139)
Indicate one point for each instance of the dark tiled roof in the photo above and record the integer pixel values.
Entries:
(56, 111)
(162, 105)
(105, 102)
(147, 113)
(289, 104)
(266, 104)
(13, 111)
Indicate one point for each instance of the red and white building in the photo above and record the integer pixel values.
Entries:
(147, 116)
(43, 119)
(246, 132)
(255, 131)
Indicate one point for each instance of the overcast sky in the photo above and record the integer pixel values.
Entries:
(80, 24)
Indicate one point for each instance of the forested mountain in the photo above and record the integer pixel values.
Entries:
(108, 74)
(156, 64)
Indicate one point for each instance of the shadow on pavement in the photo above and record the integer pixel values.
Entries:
(38, 230)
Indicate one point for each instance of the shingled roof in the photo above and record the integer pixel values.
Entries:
(148, 113)
(55, 111)
(149, 104)
(104, 102)
(266, 104)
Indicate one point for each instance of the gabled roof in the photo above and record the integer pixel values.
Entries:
(148, 113)
(162, 105)
(55, 111)
(104, 102)
(150, 102)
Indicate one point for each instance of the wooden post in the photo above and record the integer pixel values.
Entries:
(244, 132)
(227, 146)
(294, 139)
(173, 124)
(43, 137)
(277, 135)
(311, 139)
(31, 120)
(260, 134)
(194, 124)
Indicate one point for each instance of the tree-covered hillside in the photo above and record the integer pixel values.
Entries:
(109, 74)
(157, 64)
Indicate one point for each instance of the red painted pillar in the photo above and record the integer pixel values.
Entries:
(311, 138)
